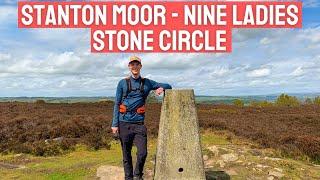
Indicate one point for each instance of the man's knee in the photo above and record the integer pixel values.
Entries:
(142, 153)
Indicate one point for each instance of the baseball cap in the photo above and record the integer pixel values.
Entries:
(134, 58)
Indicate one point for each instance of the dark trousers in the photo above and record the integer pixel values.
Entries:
(132, 133)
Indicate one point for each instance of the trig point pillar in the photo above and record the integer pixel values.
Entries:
(179, 153)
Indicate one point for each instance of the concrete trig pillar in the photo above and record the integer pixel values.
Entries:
(179, 153)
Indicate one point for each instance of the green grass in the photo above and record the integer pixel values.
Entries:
(212, 139)
(83, 163)
(79, 164)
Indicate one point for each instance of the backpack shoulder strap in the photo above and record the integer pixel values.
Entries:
(129, 87)
(143, 80)
(142, 85)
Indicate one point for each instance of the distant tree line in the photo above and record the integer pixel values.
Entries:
(282, 100)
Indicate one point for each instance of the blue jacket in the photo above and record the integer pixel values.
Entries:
(133, 100)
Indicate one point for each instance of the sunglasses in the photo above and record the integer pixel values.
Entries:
(134, 63)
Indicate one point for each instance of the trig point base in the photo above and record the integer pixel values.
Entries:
(179, 153)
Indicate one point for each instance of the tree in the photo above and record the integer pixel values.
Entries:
(238, 102)
(286, 100)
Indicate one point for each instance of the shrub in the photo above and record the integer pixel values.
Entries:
(57, 128)
(308, 101)
(254, 103)
(317, 100)
(286, 100)
(40, 101)
(261, 104)
(41, 148)
(238, 102)
(105, 101)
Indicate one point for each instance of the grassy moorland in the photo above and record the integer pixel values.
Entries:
(71, 140)
(46, 129)
(248, 160)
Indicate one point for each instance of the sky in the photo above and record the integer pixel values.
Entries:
(58, 62)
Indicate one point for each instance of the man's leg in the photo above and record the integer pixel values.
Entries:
(126, 139)
(140, 140)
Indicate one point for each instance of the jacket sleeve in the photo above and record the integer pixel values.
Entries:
(117, 101)
(155, 85)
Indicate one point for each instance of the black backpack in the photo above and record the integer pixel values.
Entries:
(129, 87)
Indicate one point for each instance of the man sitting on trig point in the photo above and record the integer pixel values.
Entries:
(128, 116)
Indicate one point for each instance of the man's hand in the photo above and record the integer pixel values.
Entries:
(159, 91)
(115, 130)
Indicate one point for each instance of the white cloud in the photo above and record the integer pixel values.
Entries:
(262, 72)
(8, 14)
(62, 35)
(241, 35)
(220, 71)
(4, 56)
(10, 1)
(310, 34)
(297, 72)
(56, 62)
(265, 41)
(64, 63)
(63, 84)
(311, 3)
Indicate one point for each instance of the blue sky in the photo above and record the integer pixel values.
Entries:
(58, 62)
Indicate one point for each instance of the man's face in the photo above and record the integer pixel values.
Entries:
(135, 67)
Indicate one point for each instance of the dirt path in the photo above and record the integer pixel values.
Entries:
(236, 160)
(110, 172)
(243, 162)
(116, 173)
